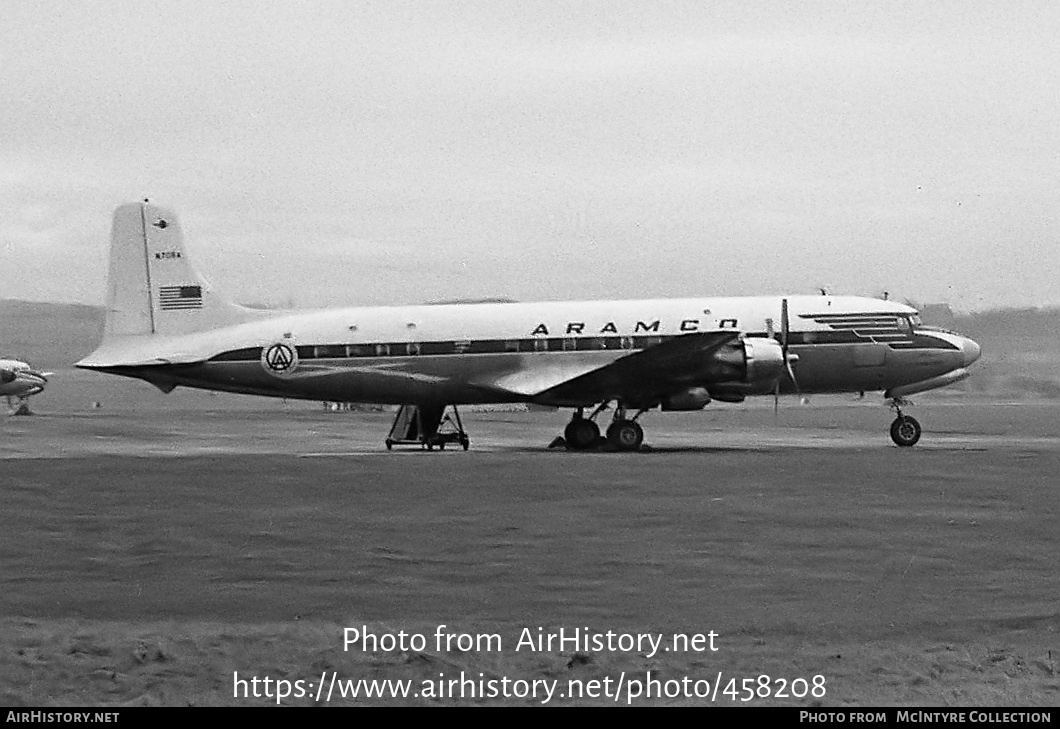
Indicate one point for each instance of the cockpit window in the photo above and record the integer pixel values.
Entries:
(909, 322)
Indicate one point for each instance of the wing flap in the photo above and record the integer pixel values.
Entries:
(536, 379)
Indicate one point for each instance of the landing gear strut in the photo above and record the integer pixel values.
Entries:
(905, 430)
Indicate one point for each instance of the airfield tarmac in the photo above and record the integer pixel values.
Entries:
(154, 545)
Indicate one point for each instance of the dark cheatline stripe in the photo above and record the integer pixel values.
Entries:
(880, 328)
(840, 315)
(922, 342)
(887, 325)
(238, 355)
(558, 344)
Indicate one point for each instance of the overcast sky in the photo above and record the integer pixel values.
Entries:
(370, 153)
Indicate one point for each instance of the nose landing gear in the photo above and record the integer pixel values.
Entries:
(905, 430)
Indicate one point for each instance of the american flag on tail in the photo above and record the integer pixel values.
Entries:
(180, 297)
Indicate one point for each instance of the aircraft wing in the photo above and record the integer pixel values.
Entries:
(643, 376)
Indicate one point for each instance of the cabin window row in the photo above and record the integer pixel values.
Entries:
(465, 346)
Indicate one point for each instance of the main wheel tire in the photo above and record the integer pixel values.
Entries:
(905, 431)
(389, 444)
(466, 443)
(581, 434)
(625, 435)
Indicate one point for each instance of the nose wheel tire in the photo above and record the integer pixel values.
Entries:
(905, 431)
(581, 434)
(625, 435)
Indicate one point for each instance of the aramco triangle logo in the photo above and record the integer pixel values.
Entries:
(279, 359)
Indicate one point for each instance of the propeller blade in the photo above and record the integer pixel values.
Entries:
(791, 374)
(785, 325)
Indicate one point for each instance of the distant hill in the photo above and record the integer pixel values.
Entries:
(1021, 351)
(49, 336)
(449, 302)
(1021, 347)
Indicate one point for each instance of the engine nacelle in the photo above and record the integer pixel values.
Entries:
(765, 363)
(745, 367)
(731, 373)
(727, 394)
(694, 398)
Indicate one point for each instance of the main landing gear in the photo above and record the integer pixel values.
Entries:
(581, 433)
(624, 434)
(905, 430)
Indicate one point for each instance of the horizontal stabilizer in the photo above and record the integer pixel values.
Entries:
(143, 351)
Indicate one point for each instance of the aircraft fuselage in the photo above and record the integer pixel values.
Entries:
(492, 352)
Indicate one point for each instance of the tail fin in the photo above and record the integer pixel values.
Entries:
(152, 287)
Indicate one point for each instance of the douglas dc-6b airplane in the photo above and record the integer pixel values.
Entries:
(165, 325)
(19, 382)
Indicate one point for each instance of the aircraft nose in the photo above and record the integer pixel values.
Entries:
(970, 349)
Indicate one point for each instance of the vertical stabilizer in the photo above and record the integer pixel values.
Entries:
(152, 287)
